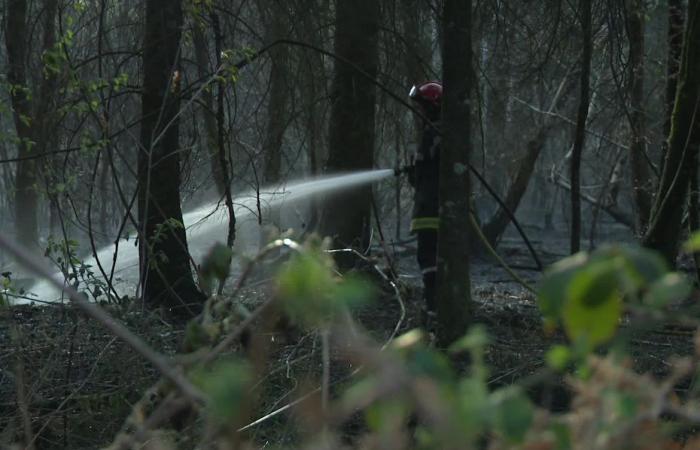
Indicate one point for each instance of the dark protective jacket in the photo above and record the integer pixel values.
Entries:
(425, 179)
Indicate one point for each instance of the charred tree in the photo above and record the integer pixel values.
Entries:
(346, 216)
(683, 141)
(166, 275)
(584, 14)
(454, 286)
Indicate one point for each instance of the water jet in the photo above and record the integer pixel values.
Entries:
(206, 225)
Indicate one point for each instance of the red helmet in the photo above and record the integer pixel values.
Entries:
(428, 92)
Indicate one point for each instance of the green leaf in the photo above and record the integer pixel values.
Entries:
(553, 289)
(475, 340)
(692, 245)
(595, 324)
(641, 265)
(354, 291)
(627, 405)
(594, 306)
(474, 405)
(390, 413)
(594, 284)
(513, 415)
(423, 362)
(670, 288)
(217, 263)
(558, 357)
(226, 386)
(562, 436)
(306, 286)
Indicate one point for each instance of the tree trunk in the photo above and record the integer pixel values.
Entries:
(673, 63)
(580, 133)
(641, 179)
(312, 90)
(199, 41)
(683, 141)
(165, 266)
(499, 222)
(278, 93)
(26, 197)
(454, 286)
(346, 216)
(33, 119)
(495, 228)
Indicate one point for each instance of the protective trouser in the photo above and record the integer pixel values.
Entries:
(427, 261)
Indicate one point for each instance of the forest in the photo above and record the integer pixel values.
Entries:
(325, 224)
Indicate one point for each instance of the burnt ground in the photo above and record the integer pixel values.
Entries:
(80, 382)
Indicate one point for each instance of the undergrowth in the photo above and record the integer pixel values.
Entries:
(354, 388)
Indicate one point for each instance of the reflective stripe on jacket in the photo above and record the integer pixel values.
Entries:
(425, 223)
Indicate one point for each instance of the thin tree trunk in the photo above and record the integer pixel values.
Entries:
(673, 63)
(684, 139)
(495, 228)
(224, 160)
(453, 283)
(201, 53)
(580, 133)
(165, 266)
(641, 179)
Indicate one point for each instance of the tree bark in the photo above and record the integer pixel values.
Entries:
(346, 216)
(278, 94)
(26, 227)
(683, 141)
(673, 63)
(454, 286)
(201, 53)
(580, 133)
(499, 222)
(497, 225)
(164, 259)
(641, 179)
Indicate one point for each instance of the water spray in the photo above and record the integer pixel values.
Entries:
(205, 226)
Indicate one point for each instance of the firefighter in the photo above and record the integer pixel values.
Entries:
(424, 177)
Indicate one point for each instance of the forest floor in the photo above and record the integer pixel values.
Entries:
(80, 382)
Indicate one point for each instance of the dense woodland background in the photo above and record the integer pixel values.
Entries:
(117, 116)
